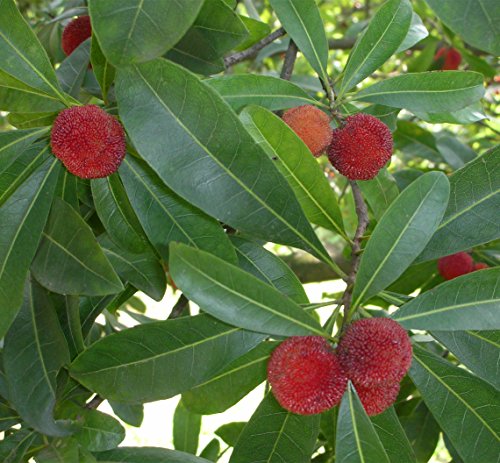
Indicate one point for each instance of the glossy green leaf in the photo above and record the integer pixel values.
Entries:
(264, 265)
(465, 406)
(257, 30)
(141, 269)
(401, 234)
(68, 312)
(422, 431)
(14, 142)
(473, 20)
(478, 350)
(200, 149)
(454, 152)
(467, 115)
(99, 432)
(23, 217)
(230, 432)
(67, 188)
(104, 71)
(232, 383)
(34, 352)
(471, 301)
(132, 414)
(302, 21)
(167, 217)
(427, 91)
(474, 194)
(142, 31)
(31, 120)
(241, 90)
(69, 259)
(21, 54)
(211, 451)
(72, 70)
(380, 192)
(393, 437)
(235, 296)
(187, 426)
(385, 33)
(297, 165)
(357, 440)
(275, 435)
(147, 455)
(415, 141)
(416, 33)
(115, 367)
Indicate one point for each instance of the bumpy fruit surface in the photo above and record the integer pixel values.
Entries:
(449, 57)
(455, 265)
(89, 142)
(305, 375)
(311, 125)
(361, 147)
(374, 352)
(377, 399)
(480, 266)
(77, 31)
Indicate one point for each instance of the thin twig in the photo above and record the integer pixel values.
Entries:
(289, 63)
(179, 307)
(254, 49)
(95, 402)
(363, 222)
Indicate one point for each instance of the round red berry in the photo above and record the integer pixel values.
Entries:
(377, 399)
(77, 31)
(455, 265)
(480, 266)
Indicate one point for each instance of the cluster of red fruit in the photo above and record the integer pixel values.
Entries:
(307, 376)
(458, 264)
(358, 149)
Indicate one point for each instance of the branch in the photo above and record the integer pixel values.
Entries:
(94, 403)
(289, 63)
(254, 49)
(179, 307)
(363, 221)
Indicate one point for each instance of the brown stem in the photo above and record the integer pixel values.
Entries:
(179, 307)
(95, 402)
(254, 49)
(289, 63)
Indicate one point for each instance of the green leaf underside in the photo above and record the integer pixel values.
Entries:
(401, 234)
(465, 406)
(116, 366)
(235, 296)
(198, 147)
(275, 435)
(147, 455)
(471, 301)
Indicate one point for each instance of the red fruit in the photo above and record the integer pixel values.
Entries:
(89, 142)
(451, 58)
(377, 399)
(375, 351)
(305, 375)
(361, 147)
(455, 265)
(480, 266)
(77, 31)
(311, 125)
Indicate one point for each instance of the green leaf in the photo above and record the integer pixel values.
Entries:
(467, 115)
(393, 437)
(34, 352)
(264, 265)
(210, 159)
(143, 30)
(385, 33)
(115, 366)
(8, 417)
(68, 312)
(132, 414)
(21, 54)
(357, 440)
(59, 451)
(380, 192)
(303, 23)
(241, 90)
(235, 296)
(388, 115)
(401, 234)
(474, 194)
(141, 269)
(465, 406)
(455, 153)
(275, 435)
(104, 71)
(14, 142)
(416, 33)
(72, 70)
(148, 455)
(167, 217)
(99, 432)
(471, 301)
(69, 259)
(232, 383)
(23, 217)
(230, 432)
(478, 350)
(415, 141)
(187, 426)
(67, 188)
(437, 91)
(423, 432)
(474, 21)
(14, 447)
(211, 451)
(257, 30)
(31, 120)
(298, 166)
